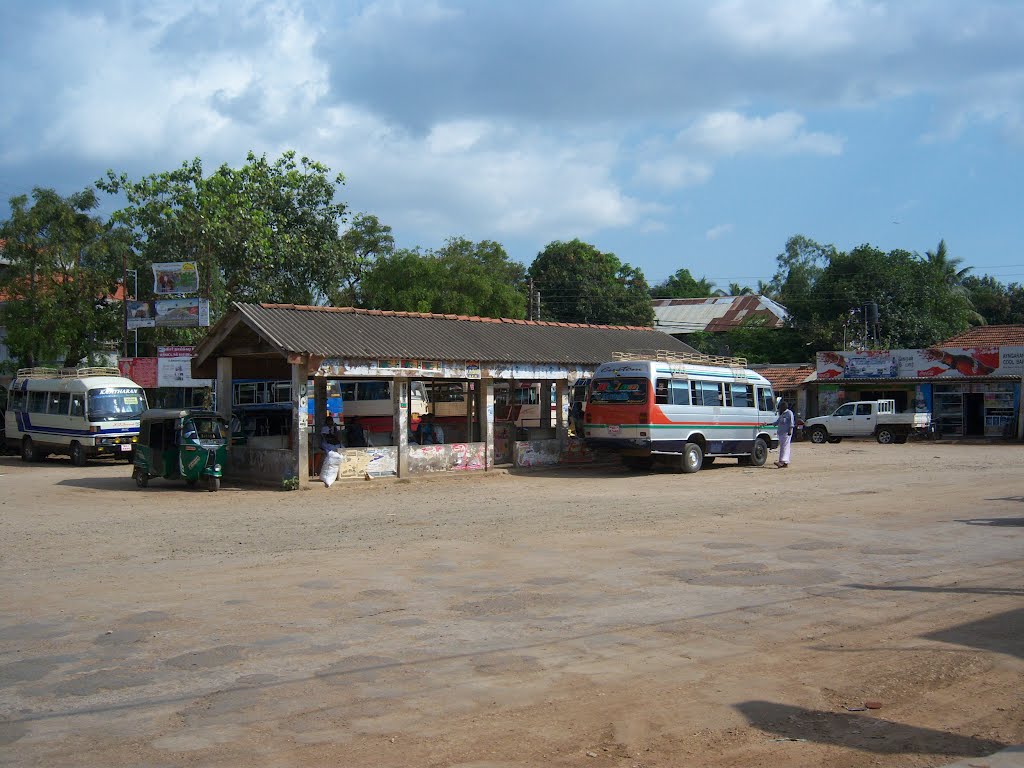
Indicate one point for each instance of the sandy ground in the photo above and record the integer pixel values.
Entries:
(736, 617)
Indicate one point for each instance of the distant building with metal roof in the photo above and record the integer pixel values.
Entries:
(716, 314)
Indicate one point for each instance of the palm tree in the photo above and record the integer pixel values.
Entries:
(735, 289)
(948, 268)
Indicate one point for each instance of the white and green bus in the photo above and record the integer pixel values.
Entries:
(78, 412)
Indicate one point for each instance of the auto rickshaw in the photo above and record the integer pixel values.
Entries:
(187, 444)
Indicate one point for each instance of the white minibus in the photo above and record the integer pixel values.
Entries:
(78, 412)
(684, 410)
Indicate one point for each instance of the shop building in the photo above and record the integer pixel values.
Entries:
(971, 383)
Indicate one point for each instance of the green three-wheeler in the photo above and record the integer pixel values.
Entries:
(181, 444)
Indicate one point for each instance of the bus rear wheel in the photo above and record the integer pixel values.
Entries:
(28, 450)
(692, 459)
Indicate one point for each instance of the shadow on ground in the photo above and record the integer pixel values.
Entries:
(1002, 633)
(860, 731)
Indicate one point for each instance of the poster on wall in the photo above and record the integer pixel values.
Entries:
(169, 313)
(174, 368)
(175, 277)
(141, 370)
(935, 362)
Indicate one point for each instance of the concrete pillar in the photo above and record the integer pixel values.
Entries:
(300, 417)
(320, 403)
(545, 404)
(485, 408)
(224, 389)
(562, 411)
(400, 423)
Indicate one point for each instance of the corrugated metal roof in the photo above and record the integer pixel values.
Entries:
(345, 332)
(716, 313)
(988, 336)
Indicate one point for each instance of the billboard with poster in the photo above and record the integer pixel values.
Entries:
(175, 278)
(169, 313)
(932, 363)
(174, 368)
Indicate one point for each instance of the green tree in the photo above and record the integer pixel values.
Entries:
(580, 284)
(61, 280)
(365, 241)
(462, 277)
(683, 285)
(265, 232)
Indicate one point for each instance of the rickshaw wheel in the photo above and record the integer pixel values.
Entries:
(213, 484)
(141, 478)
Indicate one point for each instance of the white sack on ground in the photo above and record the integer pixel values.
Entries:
(329, 471)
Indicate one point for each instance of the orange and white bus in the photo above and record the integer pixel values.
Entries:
(684, 410)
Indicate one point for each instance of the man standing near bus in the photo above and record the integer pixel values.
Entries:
(786, 422)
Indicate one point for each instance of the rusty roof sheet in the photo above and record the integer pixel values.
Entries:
(347, 332)
(988, 336)
(785, 376)
(716, 313)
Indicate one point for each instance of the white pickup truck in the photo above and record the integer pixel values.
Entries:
(867, 418)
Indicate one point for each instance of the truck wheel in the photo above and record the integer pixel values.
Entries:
(692, 459)
(77, 454)
(885, 436)
(819, 435)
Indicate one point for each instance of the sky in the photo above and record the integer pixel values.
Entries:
(674, 134)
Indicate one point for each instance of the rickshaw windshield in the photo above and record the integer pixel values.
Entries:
(205, 429)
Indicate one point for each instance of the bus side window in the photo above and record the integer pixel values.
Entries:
(765, 401)
(661, 392)
(37, 402)
(53, 403)
(742, 396)
(78, 405)
(680, 393)
(65, 403)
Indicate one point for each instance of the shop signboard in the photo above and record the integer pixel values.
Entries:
(174, 368)
(170, 278)
(169, 313)
(932, 363)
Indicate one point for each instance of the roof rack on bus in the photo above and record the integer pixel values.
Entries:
(696, 358)
(66, 373)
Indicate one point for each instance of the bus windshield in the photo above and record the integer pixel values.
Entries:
(115, 403)
(632, 391)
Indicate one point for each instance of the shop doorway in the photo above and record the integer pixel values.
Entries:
(974, 414)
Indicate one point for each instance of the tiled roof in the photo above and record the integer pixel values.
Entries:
(346, 332)
(785, 376)
(988, 336)
(715, 314)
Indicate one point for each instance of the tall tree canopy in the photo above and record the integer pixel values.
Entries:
(462, 278)
(580, 284)
(61, 280)
(365, 241)
(265, 232)
(683, 285)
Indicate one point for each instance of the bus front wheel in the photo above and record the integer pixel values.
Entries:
(77, 454)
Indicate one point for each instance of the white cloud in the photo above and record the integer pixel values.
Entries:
(670, 172)
(718, 231)
(730, 133)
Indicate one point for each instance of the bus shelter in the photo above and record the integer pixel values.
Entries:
(491, 361)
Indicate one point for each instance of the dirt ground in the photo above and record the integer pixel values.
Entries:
(581, 617)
